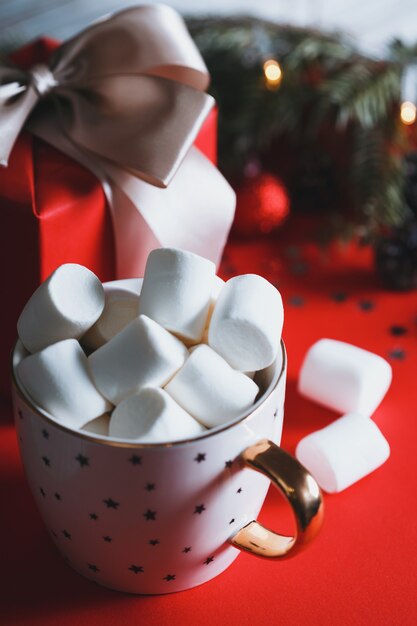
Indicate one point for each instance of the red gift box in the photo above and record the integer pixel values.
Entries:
(53, 211)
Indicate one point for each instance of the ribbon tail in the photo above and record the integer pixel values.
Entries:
(16, 103)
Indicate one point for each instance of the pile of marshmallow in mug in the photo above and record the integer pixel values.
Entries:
(181, 358)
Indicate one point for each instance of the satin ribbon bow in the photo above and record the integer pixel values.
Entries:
(128, 90)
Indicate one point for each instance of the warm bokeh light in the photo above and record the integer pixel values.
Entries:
(272, 73)
(408, 113)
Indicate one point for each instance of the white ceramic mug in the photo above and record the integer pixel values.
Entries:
(157, 518)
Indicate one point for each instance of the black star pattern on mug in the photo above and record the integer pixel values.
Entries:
(45, 433)
(232, 520)
(57, 496)
(239, 490)
(136, 569)
(339, 296)
(199, 508)
(93, 567)
(398, 331)
(93, 516)
(200, 457)
(46, 461)
(111, 504)
(150, 487)
(153, 542)
(66, 534)
(366, 305)
(208, 560)
(135, 459)
(398, 354)
(187, 549)
(107, 539)
(275, 412)
(228, 464)
(149, 515)
(169, 577)
(42, 492)
(82, 460)
(20, 414)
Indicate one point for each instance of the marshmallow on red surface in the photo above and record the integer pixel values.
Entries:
(143, 354)
(152, 416)
(98, 426)
(120, 308)
(176, 291)
(343, 377)
(209, 389)
(59, 381)
(65, 306)
(343, 452)
(246, 324)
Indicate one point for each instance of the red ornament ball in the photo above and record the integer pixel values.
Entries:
(262, 205)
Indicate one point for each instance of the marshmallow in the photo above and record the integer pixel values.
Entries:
(176, 291)
(215, 292)
(152, 416)
(343, 452)
(99, 426)
(58, 380)
(63, 307)
(343, 377)
(143, 354)
(120, 308)
(247, 320)
(209, 389)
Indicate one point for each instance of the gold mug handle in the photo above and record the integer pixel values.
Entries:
(301, 491)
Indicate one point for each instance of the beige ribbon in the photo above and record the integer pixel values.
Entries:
(125, 98)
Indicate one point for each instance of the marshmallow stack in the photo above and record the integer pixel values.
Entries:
(65, 306)
(246, 324)
(140, 381)
(343, 377)
(58, 380)
(152, 416)
(143, 354)
(343, 452)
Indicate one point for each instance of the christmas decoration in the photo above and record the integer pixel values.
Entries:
(262, 204)
(286, 93)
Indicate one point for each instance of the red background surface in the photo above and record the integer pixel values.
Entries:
(362, 568)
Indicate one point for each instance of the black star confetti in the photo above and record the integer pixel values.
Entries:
(150, 487)
(46, 461)
(111, 504)
(398, 331)
(339, 296)
(366, 305)
(169, 577)
(136, 569)
(239, 490)
(42, 492)
(93, 516)
(149, 515)
(299, 269)
(199, 509)
(93, 567)
(208, 560)
(107, 539)
(135, 459)
(45, 433)
(297, 301)
(66, 534)
(228, 464)
(187, 549)
(153, 542)
(232, 520)
(57, 496)
(82, 460)
(397, 354)
(200, 457)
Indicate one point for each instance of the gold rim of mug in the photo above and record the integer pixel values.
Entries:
(124, 444)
